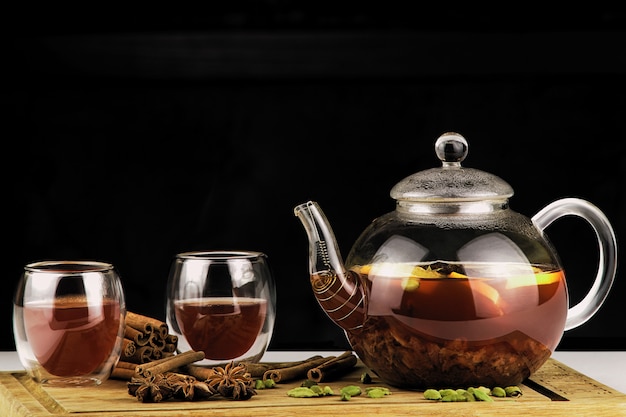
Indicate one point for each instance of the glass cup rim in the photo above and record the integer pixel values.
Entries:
(68, 266)
(220, 255)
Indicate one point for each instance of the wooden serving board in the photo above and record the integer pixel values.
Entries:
(554, 390)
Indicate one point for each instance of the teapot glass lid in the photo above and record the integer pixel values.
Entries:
(451, 182)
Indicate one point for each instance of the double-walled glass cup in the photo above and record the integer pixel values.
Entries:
(222, 303)
(68, 321)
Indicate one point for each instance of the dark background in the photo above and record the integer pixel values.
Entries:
(130, 136)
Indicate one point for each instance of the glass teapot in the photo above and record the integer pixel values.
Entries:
(453, 288)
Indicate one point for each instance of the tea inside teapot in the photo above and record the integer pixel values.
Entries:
(432, 323)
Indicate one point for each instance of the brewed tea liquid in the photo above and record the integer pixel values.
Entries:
(498, 322)
(70, 337)
(481, 302)
(222, 327)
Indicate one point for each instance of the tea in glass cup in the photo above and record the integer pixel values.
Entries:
(222, 303)
(68, 321)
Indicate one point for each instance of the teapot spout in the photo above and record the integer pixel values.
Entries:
(340, 293)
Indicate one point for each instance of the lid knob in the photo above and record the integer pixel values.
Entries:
(451, 148)
(450, 183)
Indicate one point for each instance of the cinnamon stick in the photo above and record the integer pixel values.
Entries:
(201, 373)
(170, 363)
(137, 336)
(169, 347)
(157, 341)
(255, 369)
(156, 354)
(128, 348)
(126, 365)
(333, 368)
(297, 371)
(124, 370)
(142, 354)
(146, 324)
(122, 373)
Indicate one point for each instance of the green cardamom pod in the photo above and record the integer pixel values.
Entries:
(453, 398)
(498, 392)
(513, 391)
(482, 396)
(317, 389)
(351, 390)
(302, 392)
(432, 394)
(469, 396)
(377, 392)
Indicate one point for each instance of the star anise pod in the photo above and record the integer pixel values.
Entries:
(182, 385)
(232, 382)
(149, 390)
(201, 391)
(169, 385)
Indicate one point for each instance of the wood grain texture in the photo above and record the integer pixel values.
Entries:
(555, 390)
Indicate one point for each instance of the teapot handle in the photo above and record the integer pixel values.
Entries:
(607, 246)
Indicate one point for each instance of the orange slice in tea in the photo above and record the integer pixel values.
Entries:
(431, 295)
(526, 291)
(487, 299)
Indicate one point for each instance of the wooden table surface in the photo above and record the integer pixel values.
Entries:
(555, 390)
